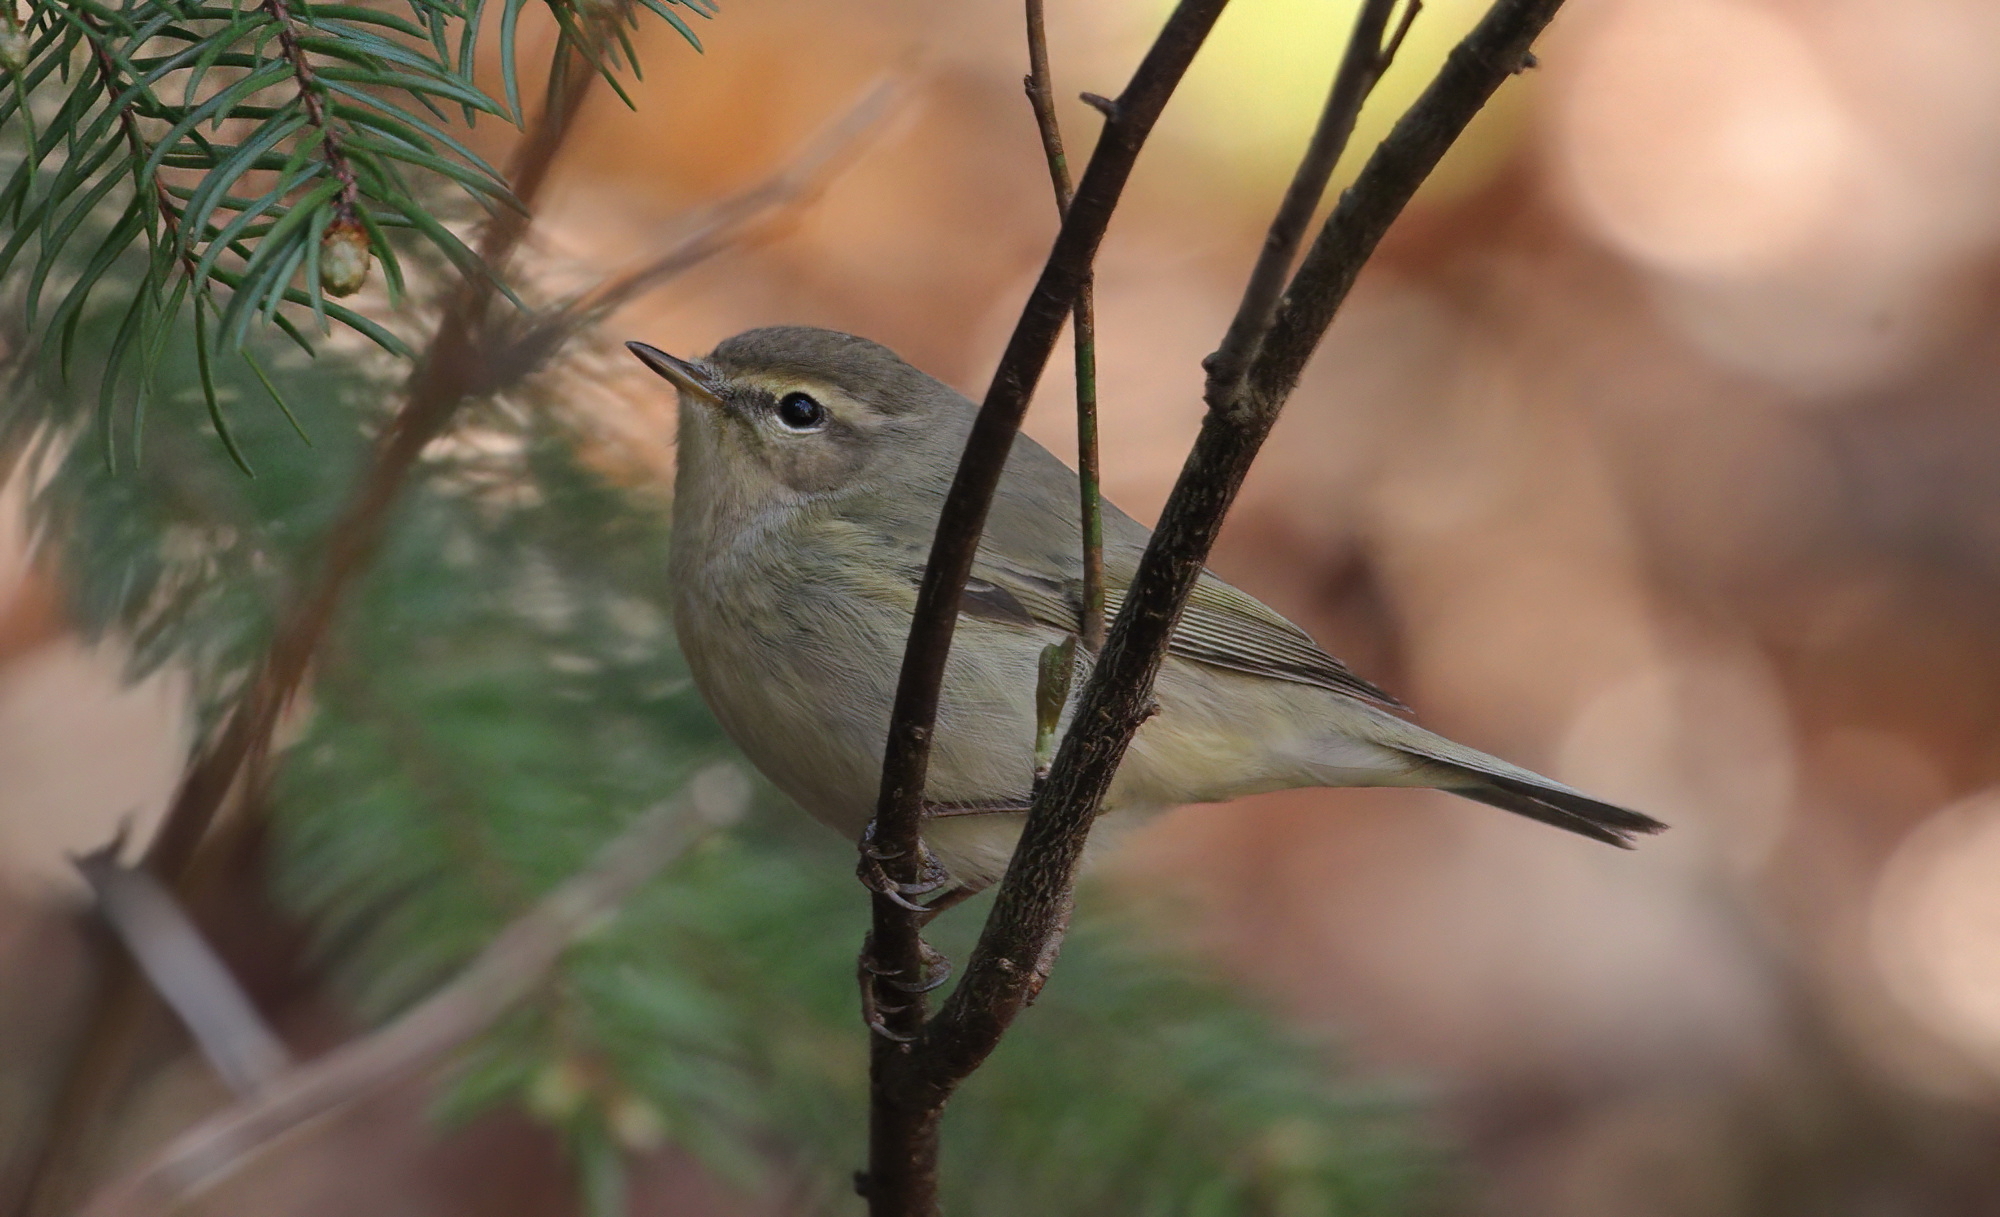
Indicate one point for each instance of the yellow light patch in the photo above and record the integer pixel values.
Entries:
(1256, 89)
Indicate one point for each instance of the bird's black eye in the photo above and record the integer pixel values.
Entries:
(801, 412)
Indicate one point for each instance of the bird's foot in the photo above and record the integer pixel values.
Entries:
(931, 874)
(874, 1012)
(933, 971)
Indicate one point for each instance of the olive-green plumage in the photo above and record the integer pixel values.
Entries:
(812, 468)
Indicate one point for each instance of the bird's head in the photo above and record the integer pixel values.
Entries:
(793, 414)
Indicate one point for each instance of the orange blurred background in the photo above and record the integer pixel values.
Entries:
(1657, 450)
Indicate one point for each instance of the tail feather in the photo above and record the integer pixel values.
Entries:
(1560, 806)
(1464, 771)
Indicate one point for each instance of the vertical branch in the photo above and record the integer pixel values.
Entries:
(1024, 930)
(1040, 85)
(905, 1106)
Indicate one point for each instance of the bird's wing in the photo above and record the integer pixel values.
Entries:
(1230, 629)
(1030, 565)
(1222, 626)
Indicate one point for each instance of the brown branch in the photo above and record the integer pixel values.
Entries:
(901, 1179)
(506, 971)
(107, 72)
(1024, 930)
(1040, 84)
(709, 232)
(449, 373)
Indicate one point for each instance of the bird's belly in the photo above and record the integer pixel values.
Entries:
(800, 736)
(808, 702)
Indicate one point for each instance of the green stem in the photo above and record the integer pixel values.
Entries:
(1087, 471)
(1041, 96)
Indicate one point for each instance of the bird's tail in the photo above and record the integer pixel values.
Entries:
(1464, 771)
(1554, 803)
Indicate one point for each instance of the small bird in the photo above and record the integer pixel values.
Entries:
(812, 468)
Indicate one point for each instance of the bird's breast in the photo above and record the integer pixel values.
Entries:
(791, 663)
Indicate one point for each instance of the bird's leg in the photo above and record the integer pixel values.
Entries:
(935, 968)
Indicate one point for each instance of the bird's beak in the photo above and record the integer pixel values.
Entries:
(690, 378)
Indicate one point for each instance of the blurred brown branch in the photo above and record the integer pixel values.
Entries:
(919, 1064)
(717, 227)
(185, 970)
(503, 973)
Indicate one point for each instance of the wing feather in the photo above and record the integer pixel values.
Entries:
(1222, 627)
(1229, 629)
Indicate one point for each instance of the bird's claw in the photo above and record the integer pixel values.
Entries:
(874, 1010)
(937, 970)
(876, 878)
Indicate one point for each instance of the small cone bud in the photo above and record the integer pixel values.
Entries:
(13, 43)
(635, 1124)
(343, 258)
(559, 1089)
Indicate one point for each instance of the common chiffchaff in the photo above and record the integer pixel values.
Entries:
(813, 465)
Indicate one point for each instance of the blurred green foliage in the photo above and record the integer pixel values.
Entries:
(501, 695)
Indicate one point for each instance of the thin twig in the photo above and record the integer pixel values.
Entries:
(1363, 63)
(331, 149)
(506, 971)
(107, 72)
(901, 1180)
(1024, 930)
(1040, 84)
(185, 970)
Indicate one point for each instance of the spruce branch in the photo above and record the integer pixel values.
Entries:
(234, 760)
(128, 123)
(345, 231)
(339, 113)
(506, 971)
(478, 352)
